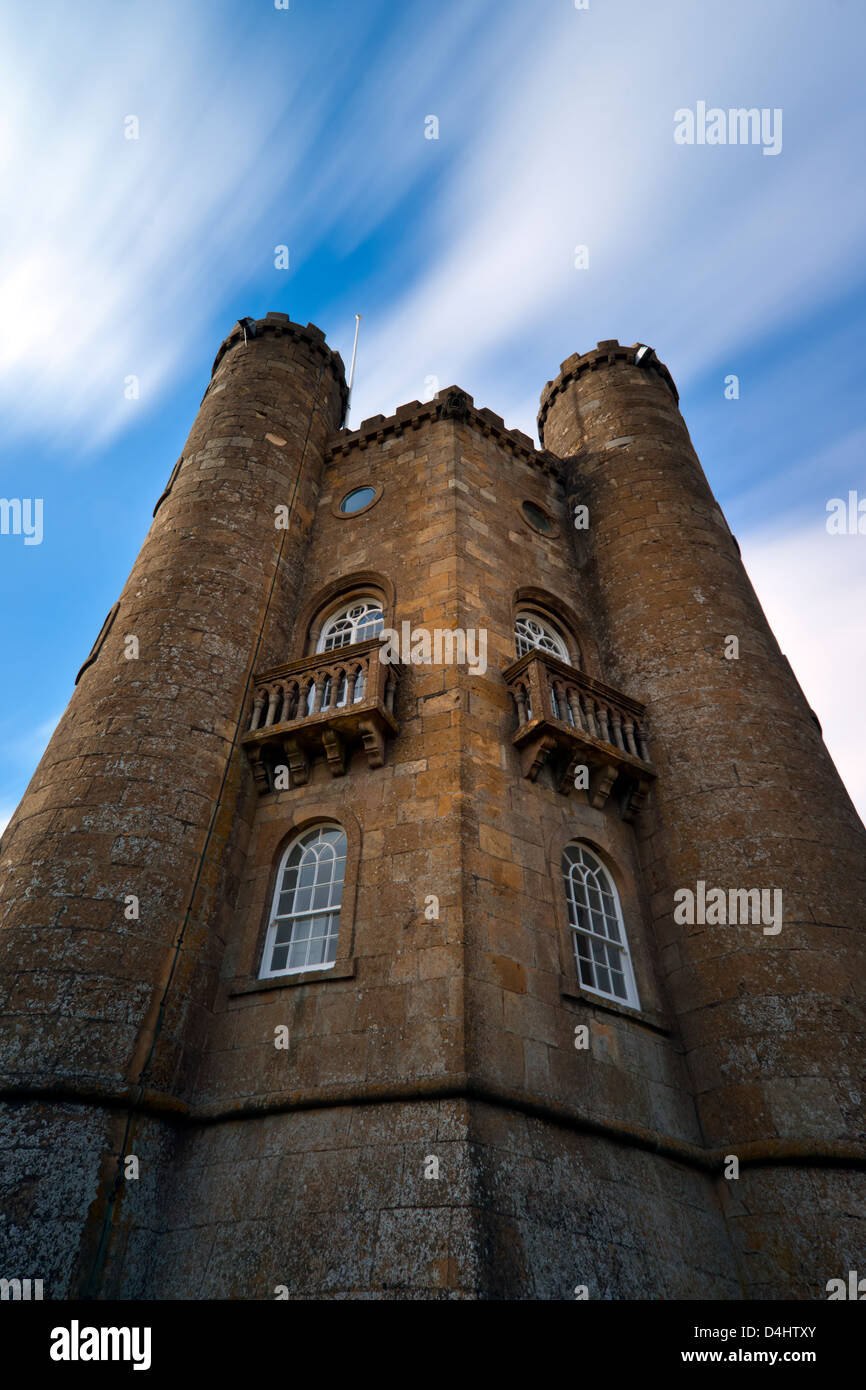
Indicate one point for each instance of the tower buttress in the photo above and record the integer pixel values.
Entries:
(747, 795)
(116, 861)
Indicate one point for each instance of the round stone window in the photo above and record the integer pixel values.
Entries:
(359, 499)
(539, 520)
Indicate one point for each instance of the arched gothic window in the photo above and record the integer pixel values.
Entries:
(354, 622)
(305, 916)
(532, 632)
(598, 931)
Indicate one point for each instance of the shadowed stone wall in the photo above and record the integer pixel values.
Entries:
(430, 1129)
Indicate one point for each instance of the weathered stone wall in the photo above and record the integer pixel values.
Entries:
(334, 1203)
(474, 999)
(450, 815)
(454, 1038)
(794, 1226)
(524, 998)
(122, 800)
(562, 1209)
(400, 1015)
(325, 1202)
(51, 1163)
(747, 796)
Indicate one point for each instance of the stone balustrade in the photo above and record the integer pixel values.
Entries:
(570, 720)
(322, 703)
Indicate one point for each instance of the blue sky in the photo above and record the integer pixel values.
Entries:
(305, 127)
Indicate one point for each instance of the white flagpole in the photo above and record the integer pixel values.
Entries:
(352, 368)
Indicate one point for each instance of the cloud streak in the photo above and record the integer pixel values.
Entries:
(700, 249)
(813, 590)
(112, 246)
(556, 130)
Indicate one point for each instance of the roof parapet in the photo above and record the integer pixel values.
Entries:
(604, 354)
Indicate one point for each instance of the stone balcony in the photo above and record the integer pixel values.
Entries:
(323, 703)
(568, 720)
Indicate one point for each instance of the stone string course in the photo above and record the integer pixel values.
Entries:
(450, 1038)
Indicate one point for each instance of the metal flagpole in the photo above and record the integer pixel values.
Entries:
(352, 367)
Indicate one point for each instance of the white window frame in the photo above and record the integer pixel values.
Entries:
(369, 604)
(596, 933)
(308, 838)
(549, 629)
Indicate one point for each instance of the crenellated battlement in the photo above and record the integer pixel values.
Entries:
(451, 403)
(603, 355)
(277, 325)
(298, 922)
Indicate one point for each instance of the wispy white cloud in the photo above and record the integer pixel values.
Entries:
(117, 251)
(701, 250)
(372, 120)
(113, 246)
(556, 130)
(812, 586)
(814, 479)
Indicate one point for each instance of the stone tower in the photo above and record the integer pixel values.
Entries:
(346, 945)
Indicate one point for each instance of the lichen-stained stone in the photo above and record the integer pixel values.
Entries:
(431, 1125)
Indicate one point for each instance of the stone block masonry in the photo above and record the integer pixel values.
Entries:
(451, 1107)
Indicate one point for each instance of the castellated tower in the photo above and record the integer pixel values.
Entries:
(359, 933)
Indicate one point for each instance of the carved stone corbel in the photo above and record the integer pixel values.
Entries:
(635, 798)
(334, 752)
(260, 771)
(601, 779)
(535, 754)
(566, 781)
(298, 762)
(374, 742)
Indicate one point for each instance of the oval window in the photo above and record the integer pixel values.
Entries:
(355, 501)
(538, 520)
